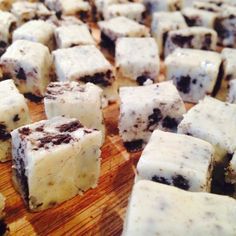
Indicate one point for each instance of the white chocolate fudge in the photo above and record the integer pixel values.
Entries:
(14, 113)
(158, 209)
(179, 160)
(163, 23)
(119, 27)
(193, 37)
(25, 11)
(212, 121)
(7, 25)
(232, 91)
(162, 5)
(54, 160)
(146, 108)
(194, 72)
(198, 17)
(74, 100)
(73, 35)
(36, 31)
(29, 65)
(137, 61)
(229, 62)
(225, 26)
(134, 11)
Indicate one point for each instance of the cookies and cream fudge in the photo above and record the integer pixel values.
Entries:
(29, 65)
(54, 160)
(14, 113)
(146, 108)
(75, 100)
(232, 91)
(158, 209)
(7, 25)
(118, 27)
(176, 159)
(197, 17)
(193, 37)
(213, 121)
(73, 35)
(164, 22)
(134, 11)
(229, 62)
(137, 61)
(36, 31)
(194, 72)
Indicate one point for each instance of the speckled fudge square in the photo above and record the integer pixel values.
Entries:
(14, 113)
(54, 160)
(213, 121)
(197, 17)
(229, 60)
(158, 209)
(193, 37)
(232, 91)
(25, 11)
(36, 31)
(178, 160)
(137, 61)
(194, 72)
(119, 27)
(7, 25)
(146, 108)
(73, 35)
(163, 23)
(134, 11)
(29, 65)
(74, 100)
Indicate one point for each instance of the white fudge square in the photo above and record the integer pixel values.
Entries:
(146, 108)
(54, 160)
(193, 37)
(214, 122)
(134, 11)
(179, 160)
(163, 23)
(232, 91)
(197, 17)
(137, 59)
(74, 100)
(36, 31)
(194, 72)
(29, 65)
(14, 113)
(229, 60)
(73, 35)
(158, 209)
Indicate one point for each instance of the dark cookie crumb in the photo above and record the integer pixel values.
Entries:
(107, 43)
(54, 139)
(4, 134)
(25, 131)
(219, 80)
(160, 179)
(207, 42)
(169, 123)
(33, 98)
(154, 118)
(21, 74)
(180, 182)
(70, 127)
(134, 146)
(182, 41)
(16, 118)
(190, 21)
(83, 15)
(183, 84)
(3, 227)
(142, 79)
(40, 128)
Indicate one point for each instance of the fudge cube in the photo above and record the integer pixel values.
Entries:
(73, 35)
(119, 27)
(158, 209)
(194, 72)
(178, 160)
(163, 23)
(28, 64)
(229, 62)
(36, 31)
(14, 113)
(86, 64)
(225, 25)
(134, 11)
(137, 61)
(197, 17)
(214, 122)
(232, 91)
(8, 24)
(25, 11)
(74, 100)
(193, 37)
(146, 108)
(54, 160)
